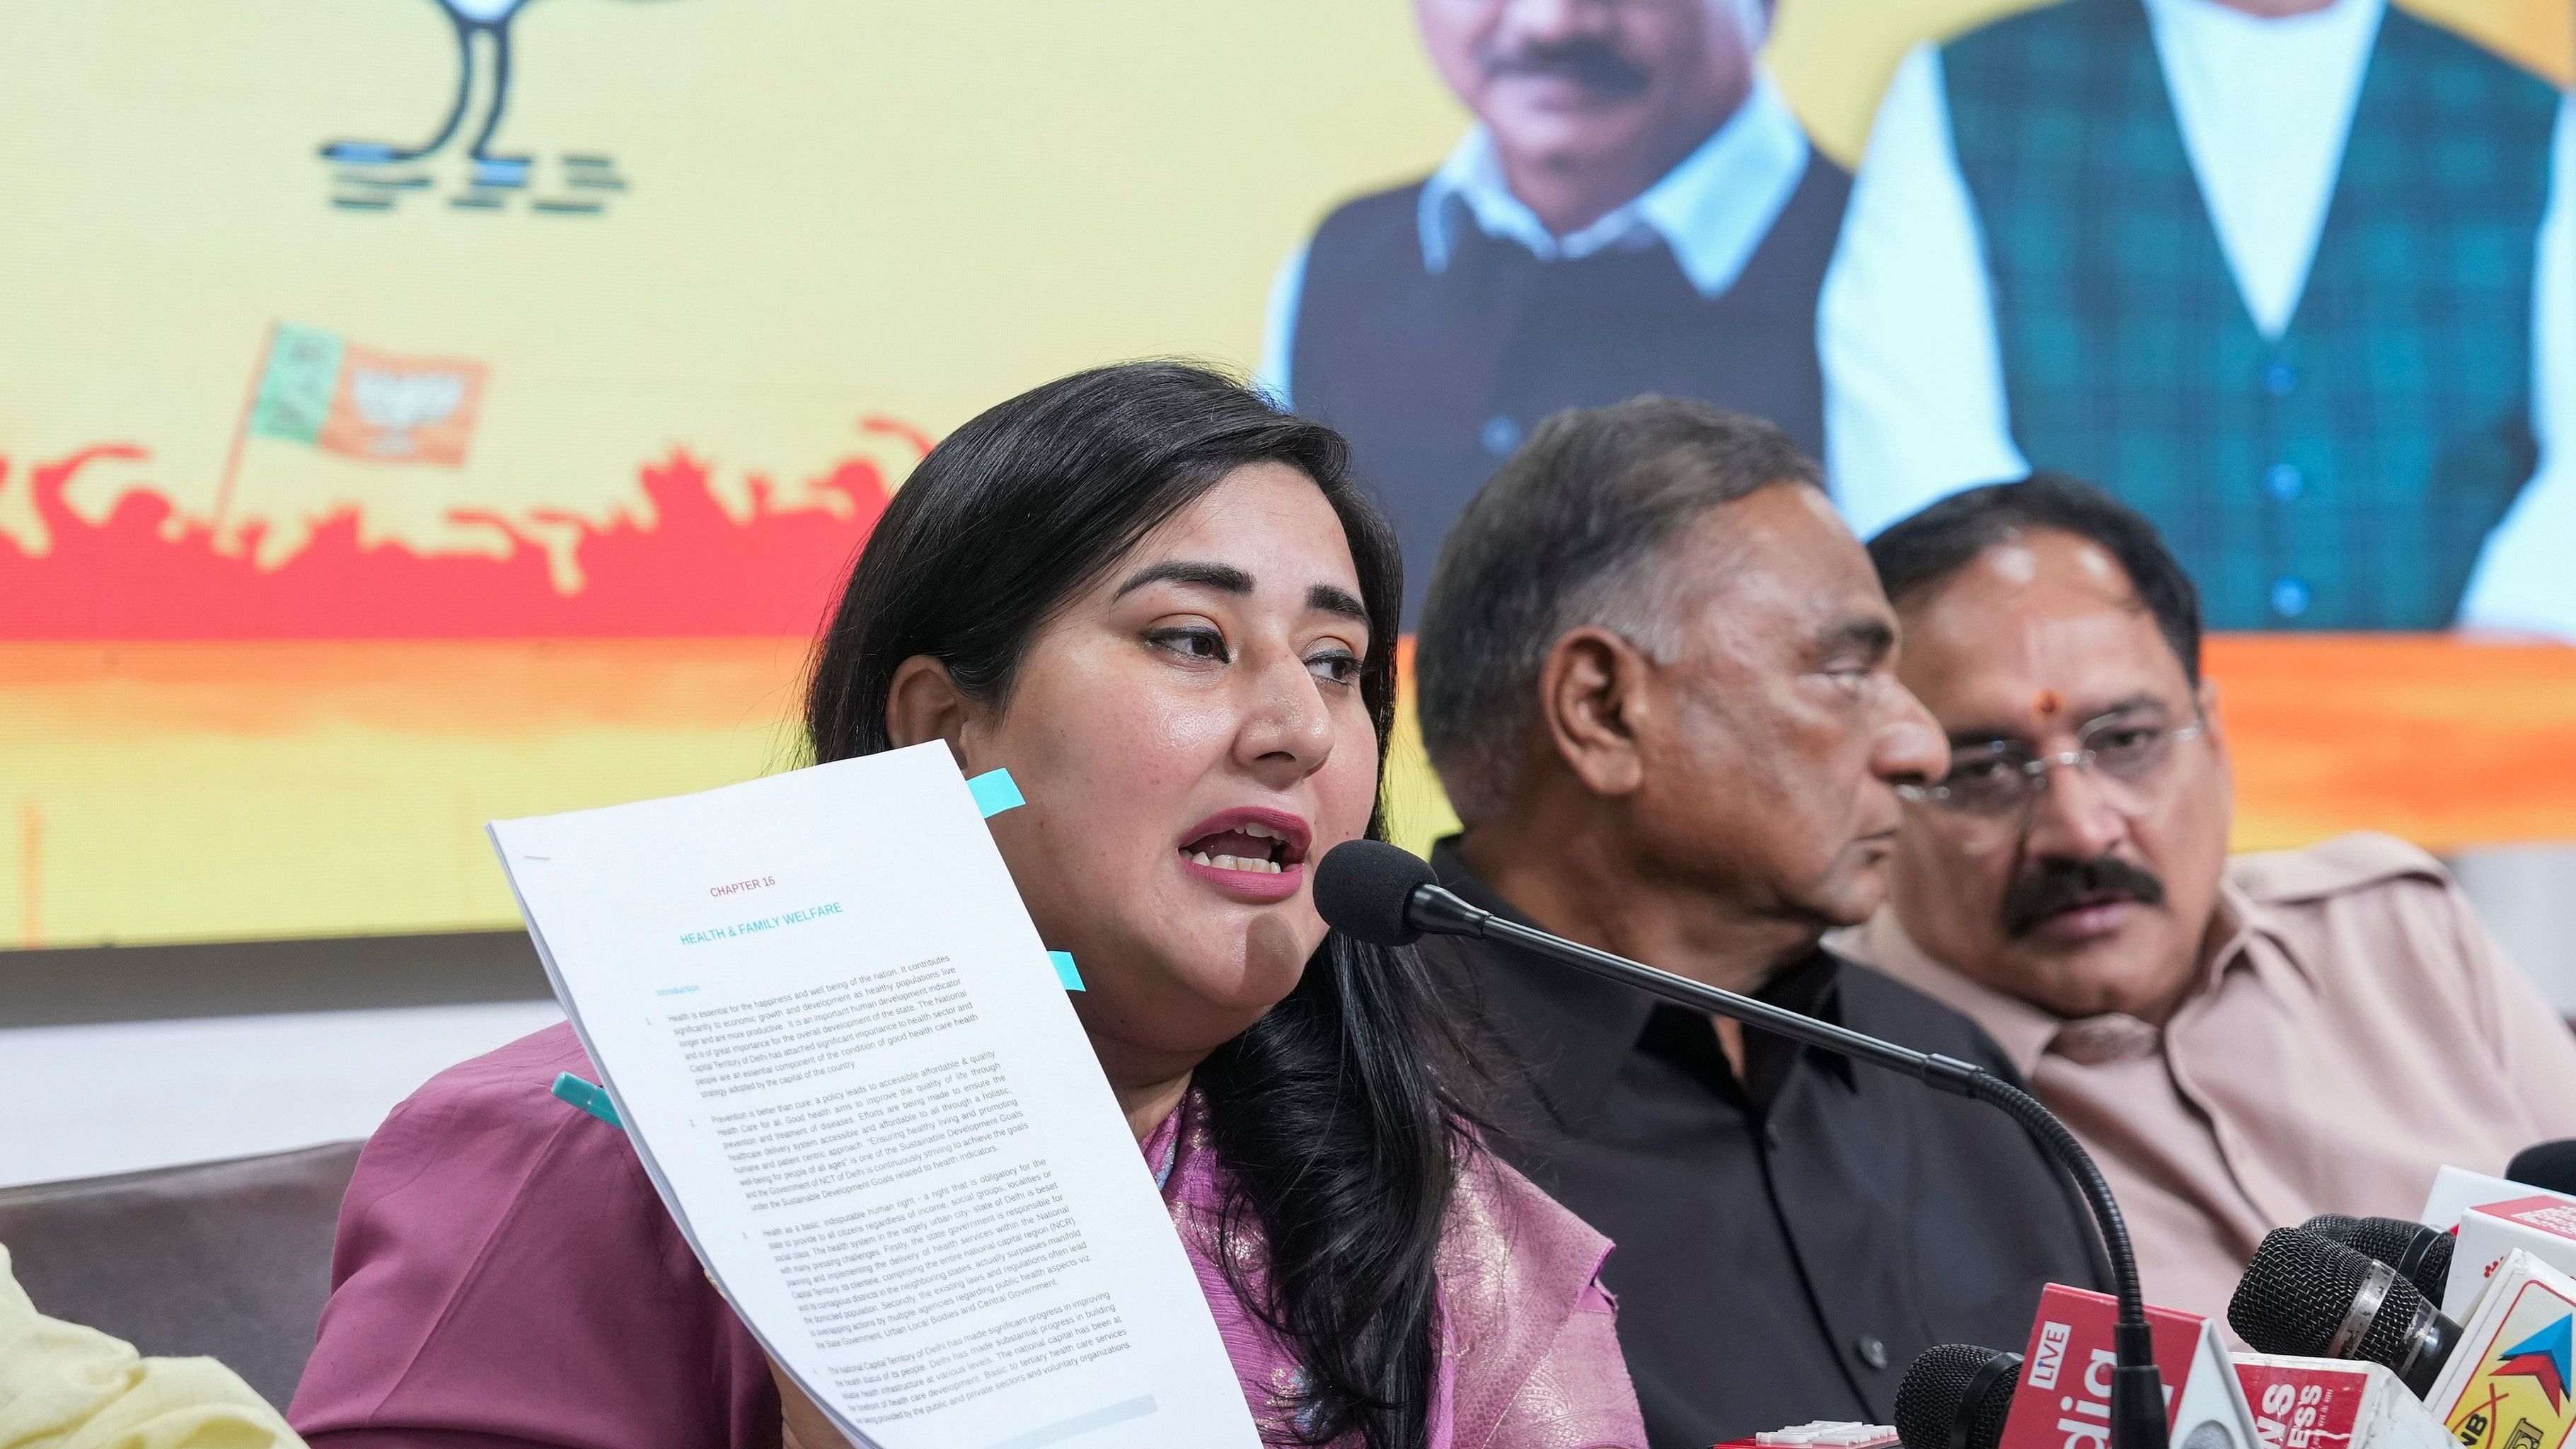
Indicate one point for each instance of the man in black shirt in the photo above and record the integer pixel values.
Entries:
(1657, 677)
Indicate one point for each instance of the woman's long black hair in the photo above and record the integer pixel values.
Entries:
(1337, 1113)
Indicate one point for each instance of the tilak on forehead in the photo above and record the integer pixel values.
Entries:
(2016, 563)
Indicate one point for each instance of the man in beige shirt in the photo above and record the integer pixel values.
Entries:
(2242, 1042)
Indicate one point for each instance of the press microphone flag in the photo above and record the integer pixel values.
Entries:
(1959, 1396)
(2456, 1190)
(2064, 1399)
(2508, 1384)
(2333, 1403)
(2505, 1379)
(1383, 894)
(2540, 1225)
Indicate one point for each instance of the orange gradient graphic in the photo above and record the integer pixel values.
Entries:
(167, 790)
(2446, 741)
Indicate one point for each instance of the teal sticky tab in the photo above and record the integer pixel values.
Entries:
(1064, 971)
(996, 792)
(588, 1097)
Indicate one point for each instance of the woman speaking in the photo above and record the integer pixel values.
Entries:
(1167, 609)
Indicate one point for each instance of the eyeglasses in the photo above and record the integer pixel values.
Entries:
(1999, 779)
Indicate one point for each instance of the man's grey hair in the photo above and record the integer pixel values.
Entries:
(1572, 533)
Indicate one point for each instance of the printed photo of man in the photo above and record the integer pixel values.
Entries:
(2296, 279)
(1636, 210)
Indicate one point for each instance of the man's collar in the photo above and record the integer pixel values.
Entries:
(1712, 210)
(2355, 22)
(2021, 1029)
(1592, 1025)
(2260, 891)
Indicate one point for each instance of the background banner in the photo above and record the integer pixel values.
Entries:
(414, 412)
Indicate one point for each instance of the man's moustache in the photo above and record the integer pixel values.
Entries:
(1594, 65)
(2060, 883)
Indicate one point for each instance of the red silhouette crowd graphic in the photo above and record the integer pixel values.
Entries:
(690, 570)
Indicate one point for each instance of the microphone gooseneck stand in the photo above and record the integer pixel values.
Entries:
(2137, 1387)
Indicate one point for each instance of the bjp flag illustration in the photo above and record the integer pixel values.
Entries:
(321, 389)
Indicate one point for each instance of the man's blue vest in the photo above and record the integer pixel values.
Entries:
(2344, 476)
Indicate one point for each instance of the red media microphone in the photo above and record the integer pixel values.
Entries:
(2359, 1359)
(2498, 1378)
(2056, 1394)
(2327, 1403)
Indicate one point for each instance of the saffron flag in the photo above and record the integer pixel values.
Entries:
(316, 387)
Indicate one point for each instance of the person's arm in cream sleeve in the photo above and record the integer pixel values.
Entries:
(63, 1386)
(1914, 393)
(2523, 583)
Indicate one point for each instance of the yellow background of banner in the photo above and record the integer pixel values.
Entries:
(838, 208)
(191, 791)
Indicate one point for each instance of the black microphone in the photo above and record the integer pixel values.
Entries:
(2549, 1165)
(2423, 1254)
(2313, 1297)
(1956, 1396)
(1386, 895)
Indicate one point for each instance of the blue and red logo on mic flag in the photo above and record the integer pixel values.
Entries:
(2543, 1357)
(2517, 1396)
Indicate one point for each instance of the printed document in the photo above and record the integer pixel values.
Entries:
(849, 1066)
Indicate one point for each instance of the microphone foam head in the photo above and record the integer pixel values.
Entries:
(2550, 1165)
(1362, 889)
(1934, 1396)
(2390, 1240)
(2299, 1287)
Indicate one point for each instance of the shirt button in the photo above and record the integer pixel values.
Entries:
(1871, 1351)
(2280, 379)
(2284, 481)
(1500, 435)
(2289, 598)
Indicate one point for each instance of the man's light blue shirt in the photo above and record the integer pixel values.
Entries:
(1713, 210)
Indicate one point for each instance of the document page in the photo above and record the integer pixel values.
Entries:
(840, 1048)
